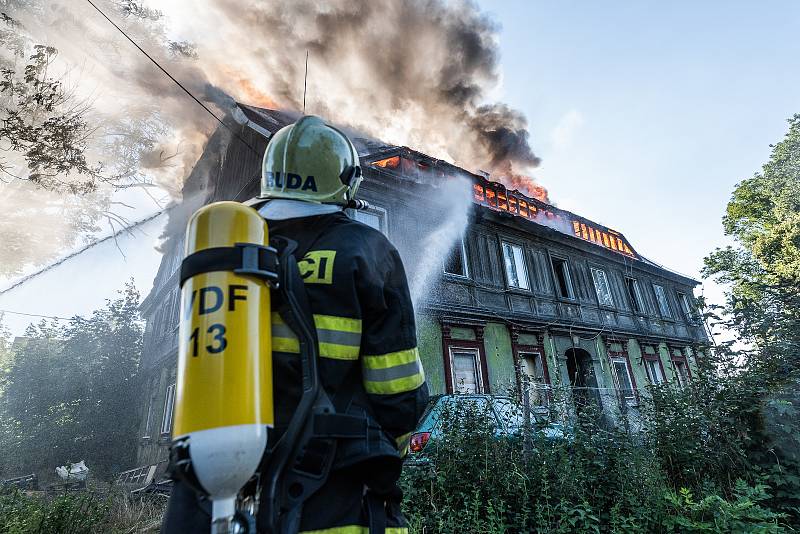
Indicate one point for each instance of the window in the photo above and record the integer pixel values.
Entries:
(374, 216)
(148, 420)
(686, 308)
(563, 280)
(516, 271)
(623, 378)
(169, 405)
(661, 298)
(466, 370)
(681, 371)
(602, 287)
(534, 380)
(635, 294)
(456, 261)
(654, 372)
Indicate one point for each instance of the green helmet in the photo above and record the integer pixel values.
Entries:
(312, 161)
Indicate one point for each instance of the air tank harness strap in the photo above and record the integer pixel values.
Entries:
(243, 258)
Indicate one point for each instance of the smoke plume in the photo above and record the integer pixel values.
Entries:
(413, 72)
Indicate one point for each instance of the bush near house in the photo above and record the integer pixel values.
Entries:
(600, 479)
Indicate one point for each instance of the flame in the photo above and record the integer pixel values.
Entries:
(388, 163)
(526, 185)
(244, 90)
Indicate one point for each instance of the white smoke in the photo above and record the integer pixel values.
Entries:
(451, 204)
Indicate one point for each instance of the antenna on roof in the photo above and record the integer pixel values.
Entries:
(305, 85)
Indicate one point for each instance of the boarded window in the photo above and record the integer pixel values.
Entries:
(466, 370)
(602, 287)
(563, 279)
(534, 380)
(661, 298)
(169, 406)
(456, 261)
(516, 270)
(635, 294)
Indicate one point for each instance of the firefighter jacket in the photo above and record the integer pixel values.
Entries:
(359, 296)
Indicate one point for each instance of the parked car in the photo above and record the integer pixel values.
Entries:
(505, 415)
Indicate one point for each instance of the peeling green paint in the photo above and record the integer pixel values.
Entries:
(499, 358)
(429, 342)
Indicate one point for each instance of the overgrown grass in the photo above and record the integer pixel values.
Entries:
(599, 479)
(77, 513)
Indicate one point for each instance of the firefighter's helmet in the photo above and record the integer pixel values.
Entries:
(312, 161)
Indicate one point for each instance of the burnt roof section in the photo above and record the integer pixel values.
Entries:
(409, 163)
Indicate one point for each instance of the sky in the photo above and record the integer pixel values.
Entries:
(645, 115)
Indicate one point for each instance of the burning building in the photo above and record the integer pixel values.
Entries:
(510, 292)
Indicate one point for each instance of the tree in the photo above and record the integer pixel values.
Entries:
(70, 392)
(763, 306)
(763, 269)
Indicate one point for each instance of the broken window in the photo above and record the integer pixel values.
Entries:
(563, 279)
(661, 298)
(654, 373)
(169, 405)
(635, 294)
(687, 309)
(466, 370)
(516, 270)
(534, 379)
(456, 261)
(681, 372)
(602, 287)
(623, 378)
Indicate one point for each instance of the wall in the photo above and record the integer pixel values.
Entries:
(499, 358)
(429, 342)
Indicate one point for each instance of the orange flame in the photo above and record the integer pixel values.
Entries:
(245, 91)
(524, 184)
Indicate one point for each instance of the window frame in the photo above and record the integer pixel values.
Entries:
(669, 316)
(654, 358)
(524, 255)
(464, 261)
(636, 299)
(623, 357)
(685, 305)
(448, 343)
(567, 275)
(478, 374)
(383, 216)
(148, 421)
(531, 350)
(592, 271)
(683, 360)
(167, 418)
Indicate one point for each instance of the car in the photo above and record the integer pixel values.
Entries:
(505, 415)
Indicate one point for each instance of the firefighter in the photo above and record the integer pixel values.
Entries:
(368, 359)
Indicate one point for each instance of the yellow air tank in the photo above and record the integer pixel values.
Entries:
(223, 402)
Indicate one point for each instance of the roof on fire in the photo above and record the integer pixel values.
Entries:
(487, 193)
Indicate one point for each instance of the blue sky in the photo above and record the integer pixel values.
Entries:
(645, 114)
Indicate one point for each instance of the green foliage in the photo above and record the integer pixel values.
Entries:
(77, 513)
(597, 479)
(763, 269)
(69, 391)
(714, 514)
